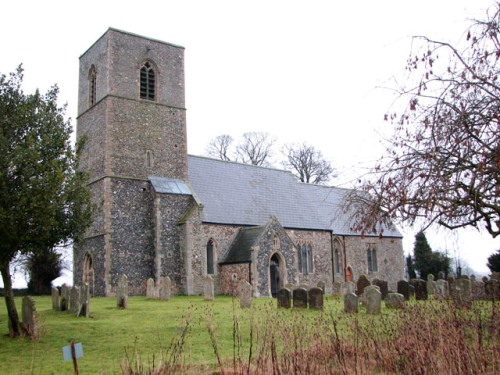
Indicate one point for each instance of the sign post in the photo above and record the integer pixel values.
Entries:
(72, 352)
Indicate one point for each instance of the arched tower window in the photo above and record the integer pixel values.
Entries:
(148, 81)
(92, 86)
(210, 257)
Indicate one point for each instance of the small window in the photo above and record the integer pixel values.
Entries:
(149, 159)
(92, 86)
(305, 259)
(210, 257)
(371, 255)
(276, 242)
(337, 260)
(148, 82)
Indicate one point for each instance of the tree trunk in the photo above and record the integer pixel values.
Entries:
(14, 326)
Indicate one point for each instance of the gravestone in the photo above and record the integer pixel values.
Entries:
(462, 292)
(64, 300)
(373, 299)
(74, 300)
(122, 292)
(84, 301)
(441, 290)
(420, 289)
(151, 289)
(300, 298)
(412, 291)
(30, 324)
(351, 303)
(431, 284)
(208, 288)
(315, 296)
(165, 288)
(321, 285)
(246, 295)
(451, 285)
(441, 275)
(404, 289)
(383, 285)
(55, 299)
(349, 287)
(284, 298)
(337, 288)
(394, 301)
(362, 283)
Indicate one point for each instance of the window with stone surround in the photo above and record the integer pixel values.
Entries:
(148, 81)
(337, 258)
(92, 86)
(305, 259)
(371, 254)
(149, 159)
(210, 257)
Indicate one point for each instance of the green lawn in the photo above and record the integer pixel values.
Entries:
(184, 331)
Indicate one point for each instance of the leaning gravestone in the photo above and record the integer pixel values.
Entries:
(373, 299)
(64, 300)
(394, 301)
(55, 299)
(29, 317)
(315, 296)
(300, 298)
(122, 292)
(246, 295)
(351, 303)
(74, 300)
(165, 288)
(383, 285)
(284, 298)
(362, 283)
(84, 301)
(404, 289)
(208, 288)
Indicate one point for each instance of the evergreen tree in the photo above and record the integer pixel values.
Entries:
(494, 262)
(410, 266)
(43, 267)
(428, 261)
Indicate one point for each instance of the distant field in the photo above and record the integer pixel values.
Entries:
(190, 333)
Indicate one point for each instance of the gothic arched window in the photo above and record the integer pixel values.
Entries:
(92, 86)
(371, 255)
(210, 257)
(148, 81)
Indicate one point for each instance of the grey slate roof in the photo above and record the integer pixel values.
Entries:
(247, 195)
(169, 185)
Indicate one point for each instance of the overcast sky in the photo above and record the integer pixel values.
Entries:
(304, 71)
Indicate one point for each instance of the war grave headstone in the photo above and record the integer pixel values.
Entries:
(299, 296)
(208, 288)
(151, 289)
(284, 298)
(315, 296)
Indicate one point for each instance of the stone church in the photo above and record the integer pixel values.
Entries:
(162, 212)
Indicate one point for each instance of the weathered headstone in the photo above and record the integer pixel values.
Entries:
(122, 292)
(362, 283)
(373, 299)
(246, 295)
(462, 293)
(30, 323)
(411, 288)
(74, 300)
(64, 300)
(151, 290)
(321, 285)
(315, 296)
(441, 275)
(383, 285)
(351, 303)
(55, 299)
(165, 288)
(284, 298)
(337, 288)
(349, 287)
(394, 301)
(431, 285)
(404, 289)
(441, 290)
(299, 298)
(451, 285)
(84, 301)
(208, 288)
(420, 289)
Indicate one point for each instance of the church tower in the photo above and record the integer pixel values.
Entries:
(131, 112)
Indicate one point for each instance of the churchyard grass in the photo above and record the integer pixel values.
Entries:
(190, 335)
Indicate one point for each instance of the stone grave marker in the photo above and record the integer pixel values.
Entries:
(431, 285)
(315, 296)
(74, 300)
(299, 296)
(284, 298)
(362, 283)
(383, 285)
(165, 288)
(151, 290)
(404, 289)
(351, 303)
(349, 287)
(373, 299)
(55, 299)
(337, 288)
(420, 289)
(30, 323)
(321, 285)
(441, 275)
(208, 288)
(441, 291)
(394, 301)
(122, 292)
(64, 300)
(84, 301)
(462, 293)
(246, 295)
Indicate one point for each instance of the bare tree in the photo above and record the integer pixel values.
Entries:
(218, 147)
(308, 164)
(442, 164)
(255, 148)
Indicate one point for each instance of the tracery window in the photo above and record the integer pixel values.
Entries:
(210, 257)
(371, 254)
(148, 81)
(305, 259)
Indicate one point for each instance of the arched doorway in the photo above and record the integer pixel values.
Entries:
(275, 275)
(88, 273)
(348, 274)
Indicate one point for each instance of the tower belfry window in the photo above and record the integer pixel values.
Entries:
(148, 80)
(92, 86)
